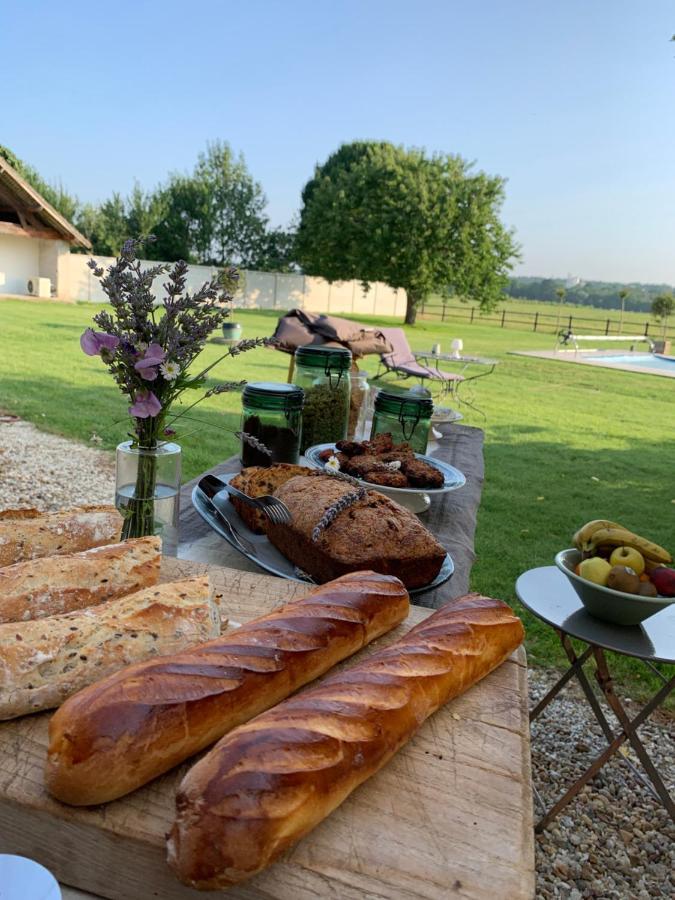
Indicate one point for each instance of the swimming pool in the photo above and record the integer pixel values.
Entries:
(644, 360)
(644, 363)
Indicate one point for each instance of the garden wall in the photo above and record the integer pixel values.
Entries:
(260, 290)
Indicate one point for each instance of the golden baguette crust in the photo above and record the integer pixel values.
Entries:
(44, 661)
(60, 584)
(374, 533)
(269, 782)
(29, 534)
(120, 733)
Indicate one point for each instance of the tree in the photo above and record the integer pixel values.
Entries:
(276, 252)
(662, 308)
(378, 212)
(231, 206)
(623, 293)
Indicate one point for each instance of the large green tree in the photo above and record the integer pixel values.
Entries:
(378, 212)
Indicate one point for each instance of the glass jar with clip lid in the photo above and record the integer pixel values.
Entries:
(323, 374)
(407, 416)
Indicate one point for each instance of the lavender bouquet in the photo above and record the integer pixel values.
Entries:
(149, 347)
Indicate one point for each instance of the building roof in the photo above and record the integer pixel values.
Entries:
(35, 217)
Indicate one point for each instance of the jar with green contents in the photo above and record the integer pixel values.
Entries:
(323, 374)
(272, 414)
(407, 416)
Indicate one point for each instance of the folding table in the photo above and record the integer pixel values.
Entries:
(549, 596)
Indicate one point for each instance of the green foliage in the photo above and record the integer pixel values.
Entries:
(662, 308)
(601, 294)
(214, 215)
(56, 195)
(379, 212)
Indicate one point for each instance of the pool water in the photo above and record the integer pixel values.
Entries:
(644, 360)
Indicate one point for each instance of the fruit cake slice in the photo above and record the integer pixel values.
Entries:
(257, 481)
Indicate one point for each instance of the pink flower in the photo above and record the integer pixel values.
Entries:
(145, 405)
(148, 363)
(92, 342)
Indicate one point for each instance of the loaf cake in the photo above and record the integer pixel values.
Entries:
(373, 533)
(257, 481)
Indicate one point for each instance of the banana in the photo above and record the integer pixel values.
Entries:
(621, 537)
(586, 532)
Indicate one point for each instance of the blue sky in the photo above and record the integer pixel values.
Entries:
(573, 102)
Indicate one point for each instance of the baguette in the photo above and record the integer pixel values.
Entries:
(29, 534)
(60, 584)
(118, 734)
(44, 661)
(271, 781)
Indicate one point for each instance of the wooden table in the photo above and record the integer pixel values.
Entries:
(450, 815)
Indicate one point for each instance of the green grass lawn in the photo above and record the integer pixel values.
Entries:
(564, 443)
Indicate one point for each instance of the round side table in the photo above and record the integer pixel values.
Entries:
(548, 595)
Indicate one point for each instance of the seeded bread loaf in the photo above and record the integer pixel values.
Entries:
(44, 661)
(30, 534)
(257, 481)
(373, 533)
(59, 584)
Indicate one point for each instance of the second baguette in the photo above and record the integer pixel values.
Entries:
(44, 661)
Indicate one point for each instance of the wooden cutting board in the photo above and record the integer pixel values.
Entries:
(450, 816)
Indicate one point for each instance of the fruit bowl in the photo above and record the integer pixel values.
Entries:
(605, 603)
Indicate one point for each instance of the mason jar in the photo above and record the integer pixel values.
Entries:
(272, 414)
(323, 374)
(407, 416)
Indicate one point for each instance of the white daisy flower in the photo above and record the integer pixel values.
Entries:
(333, 464)
(170, 370)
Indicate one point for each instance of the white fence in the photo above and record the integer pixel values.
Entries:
(260, 290)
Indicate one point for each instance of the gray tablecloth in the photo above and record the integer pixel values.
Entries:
(451, 517)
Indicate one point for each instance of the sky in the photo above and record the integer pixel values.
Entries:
(572, 102)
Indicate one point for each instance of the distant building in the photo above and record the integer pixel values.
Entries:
(35, 239)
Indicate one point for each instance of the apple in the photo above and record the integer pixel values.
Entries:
(595, 569)
(628, 556)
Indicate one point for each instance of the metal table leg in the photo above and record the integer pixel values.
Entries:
(615, 741)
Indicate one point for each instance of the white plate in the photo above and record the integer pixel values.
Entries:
(260, 551)
(23, 879)
(453, 479)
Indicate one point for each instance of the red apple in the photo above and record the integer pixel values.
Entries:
(663, 580)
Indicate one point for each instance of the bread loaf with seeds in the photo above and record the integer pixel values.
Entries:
(44, 661)
(30, 534)
(48, 587)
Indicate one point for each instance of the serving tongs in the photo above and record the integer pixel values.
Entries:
(275, 510)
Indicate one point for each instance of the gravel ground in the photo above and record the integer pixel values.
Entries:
(613, 841)
(50, 472)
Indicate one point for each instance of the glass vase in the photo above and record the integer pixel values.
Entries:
(147, 490)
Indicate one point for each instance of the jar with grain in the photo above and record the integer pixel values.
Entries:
(323, 374)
